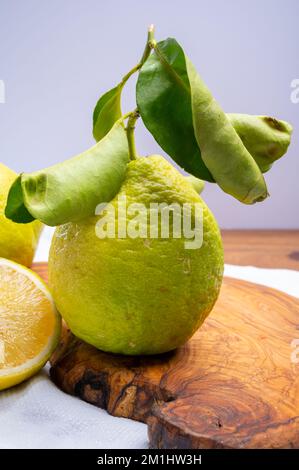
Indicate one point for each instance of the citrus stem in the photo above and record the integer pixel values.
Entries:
(150, 44)
(128, 75)
(130, 134)
(133, 116)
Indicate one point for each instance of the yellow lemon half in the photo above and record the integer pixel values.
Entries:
(29, 323)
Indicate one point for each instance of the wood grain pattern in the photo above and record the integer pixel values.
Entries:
(262, 248)
(233, 385)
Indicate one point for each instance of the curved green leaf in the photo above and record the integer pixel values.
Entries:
(164, 101)
(71, 190)
(180, 112)
(222, 150)
(171, 99)
(107, 112)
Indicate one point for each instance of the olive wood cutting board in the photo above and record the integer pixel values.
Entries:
(233, 385)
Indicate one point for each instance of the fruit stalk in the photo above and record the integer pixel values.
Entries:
(130, 134)
(150, 44)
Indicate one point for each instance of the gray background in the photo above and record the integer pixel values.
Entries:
(57, 57)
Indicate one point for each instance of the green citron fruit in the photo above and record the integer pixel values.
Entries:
(17, 241)
(137, 295)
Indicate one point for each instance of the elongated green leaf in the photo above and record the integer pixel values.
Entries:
(168, 88)
(106, 112)
(190, 126)
(222, 150)
(71, 190)
(164, 101)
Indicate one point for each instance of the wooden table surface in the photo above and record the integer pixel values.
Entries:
(262, 248)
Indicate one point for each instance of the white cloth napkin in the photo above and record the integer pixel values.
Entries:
(36, 414)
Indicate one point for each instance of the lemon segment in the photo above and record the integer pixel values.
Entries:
(29, 323)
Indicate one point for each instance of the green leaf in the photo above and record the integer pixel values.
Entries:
(71, 190)
(222, 150)
(164, 101)
(164, 95)
(15, 209)
(107, 112)
(180, 112)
